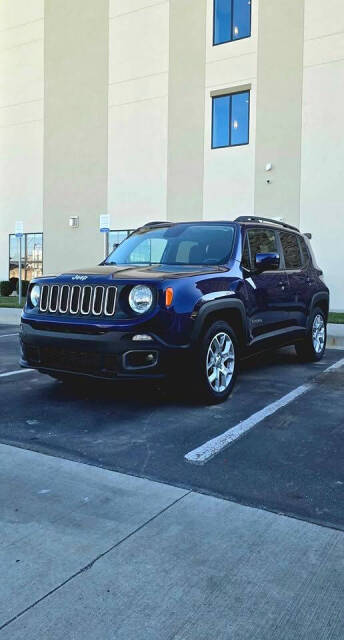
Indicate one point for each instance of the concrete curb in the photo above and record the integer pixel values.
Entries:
(335, 332)
(10, 316)
(335, 335)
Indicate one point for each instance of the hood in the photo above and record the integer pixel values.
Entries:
(154, 272)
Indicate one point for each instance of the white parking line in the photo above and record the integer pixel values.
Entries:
(13, 373)
(334, 366)
(8, 335)
(209, 449)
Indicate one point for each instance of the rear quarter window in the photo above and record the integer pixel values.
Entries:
(291, 250)
(304, 252)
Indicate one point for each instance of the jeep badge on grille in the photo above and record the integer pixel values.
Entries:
(80, 278)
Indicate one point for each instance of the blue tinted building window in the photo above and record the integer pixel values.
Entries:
(222, 21)
(221, 112)
(232, 20)
(240, 118)
(231, 120)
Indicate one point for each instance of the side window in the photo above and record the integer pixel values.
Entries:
(291, 250)
(262, 241)
(304, 251)
(245, 260)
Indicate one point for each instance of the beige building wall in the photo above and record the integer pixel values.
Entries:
(279, 109)
(21, 119)
(185, 157)
(120, 91)
(229, 173)
(75, 131)
(322, 195)
(138, 111)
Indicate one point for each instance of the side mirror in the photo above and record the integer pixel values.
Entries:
(267, 261)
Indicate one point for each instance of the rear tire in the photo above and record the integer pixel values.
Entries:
(216, 363)
(312, 348)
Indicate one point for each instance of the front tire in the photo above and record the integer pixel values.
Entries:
(216, 363)
(312, 348)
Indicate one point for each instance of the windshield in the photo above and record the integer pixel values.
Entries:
(180, 244)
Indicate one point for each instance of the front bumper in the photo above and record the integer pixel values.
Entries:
(109, 354)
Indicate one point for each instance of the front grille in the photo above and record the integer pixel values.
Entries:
(81, 361)
(85, 300)
(57, 358)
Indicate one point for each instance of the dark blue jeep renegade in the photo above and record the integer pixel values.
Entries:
(187, 299)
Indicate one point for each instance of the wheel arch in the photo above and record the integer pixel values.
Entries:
(322, 301)
(231, 311)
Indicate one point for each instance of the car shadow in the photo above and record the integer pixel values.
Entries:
(151, 394)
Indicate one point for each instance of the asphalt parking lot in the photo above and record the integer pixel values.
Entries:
(290, 462)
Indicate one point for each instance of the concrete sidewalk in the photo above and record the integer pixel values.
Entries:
(10, 316)
(88, 553)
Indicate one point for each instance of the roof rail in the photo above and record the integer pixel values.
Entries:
(156, 223)
(270, 220)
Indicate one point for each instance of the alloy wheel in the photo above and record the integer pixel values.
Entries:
(318, 333)
(220, 362)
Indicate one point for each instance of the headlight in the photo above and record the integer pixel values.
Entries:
(140, 298)
(35, 295)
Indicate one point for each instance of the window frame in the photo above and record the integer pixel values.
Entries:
(229, 95)
(244, 240)
(218, 44)
(24, 257)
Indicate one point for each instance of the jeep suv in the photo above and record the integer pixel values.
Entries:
(187, 299)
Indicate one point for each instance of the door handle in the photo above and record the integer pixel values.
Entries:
(282, 285)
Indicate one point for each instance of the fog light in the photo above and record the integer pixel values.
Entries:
(142, 337)
(140, 359)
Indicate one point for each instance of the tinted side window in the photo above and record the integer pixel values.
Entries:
(304, 252)
(291, 250)
(262, 241)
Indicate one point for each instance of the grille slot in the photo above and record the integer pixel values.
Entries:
(44, 298)
(64, 298)
(75, 299)
(98, 297)
(53, 298)
(110, 301)
(84, 300)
